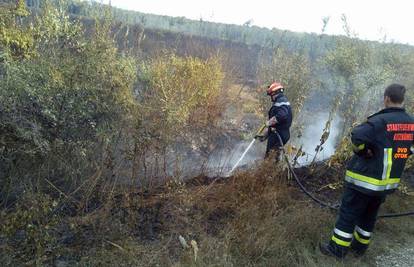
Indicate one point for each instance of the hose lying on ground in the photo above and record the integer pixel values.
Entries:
(325, 204)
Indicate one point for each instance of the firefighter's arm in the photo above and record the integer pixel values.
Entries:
(280, 114)
(362, 137)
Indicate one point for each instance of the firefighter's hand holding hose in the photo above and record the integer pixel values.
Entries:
(263, 133)
(262, 136)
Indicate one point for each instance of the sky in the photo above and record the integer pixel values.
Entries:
(372, 20)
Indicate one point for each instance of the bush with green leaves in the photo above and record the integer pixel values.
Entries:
(64, 94)
(177, 89)
(180, 102)
(359, 72)
(30, 229)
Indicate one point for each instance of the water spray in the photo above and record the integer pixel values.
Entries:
(246, 150)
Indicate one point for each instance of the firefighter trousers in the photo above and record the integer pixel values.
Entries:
(356, 221)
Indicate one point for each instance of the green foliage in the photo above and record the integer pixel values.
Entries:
(68, 112)
(348, 58)
(359, 72)
(178, 93)
(63, 102)
(16, 37)
(30, 228)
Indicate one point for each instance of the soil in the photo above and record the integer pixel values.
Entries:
(400, 256)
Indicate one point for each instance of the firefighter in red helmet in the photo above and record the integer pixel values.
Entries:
(279, 119)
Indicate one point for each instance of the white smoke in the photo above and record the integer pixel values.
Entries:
(222, 160)
(311, 138)
(218, 163)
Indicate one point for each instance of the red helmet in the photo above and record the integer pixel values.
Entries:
(274, 88)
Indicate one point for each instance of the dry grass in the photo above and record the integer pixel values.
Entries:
(254, 218)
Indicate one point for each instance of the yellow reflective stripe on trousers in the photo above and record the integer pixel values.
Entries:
(341, 242)
(360, 239)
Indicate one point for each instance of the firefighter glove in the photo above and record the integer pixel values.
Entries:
(271, 122)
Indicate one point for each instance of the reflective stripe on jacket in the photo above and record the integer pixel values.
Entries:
(388, 135)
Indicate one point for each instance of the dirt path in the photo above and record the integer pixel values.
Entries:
(401, 256)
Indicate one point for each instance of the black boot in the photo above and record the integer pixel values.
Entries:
(358, 249)
(329, 250)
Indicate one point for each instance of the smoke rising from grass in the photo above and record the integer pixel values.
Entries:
(312, 134)
(221, 160)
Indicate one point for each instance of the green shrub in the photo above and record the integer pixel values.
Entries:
(62, 101)
(30, 228)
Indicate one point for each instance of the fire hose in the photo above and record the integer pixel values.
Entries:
(320, 202)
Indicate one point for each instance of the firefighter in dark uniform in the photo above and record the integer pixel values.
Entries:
(382, 146)
(279, 120)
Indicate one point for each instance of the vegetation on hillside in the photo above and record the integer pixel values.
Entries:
(92, 134)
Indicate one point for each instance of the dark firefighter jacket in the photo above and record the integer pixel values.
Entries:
(382, 146)
(282, 111)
